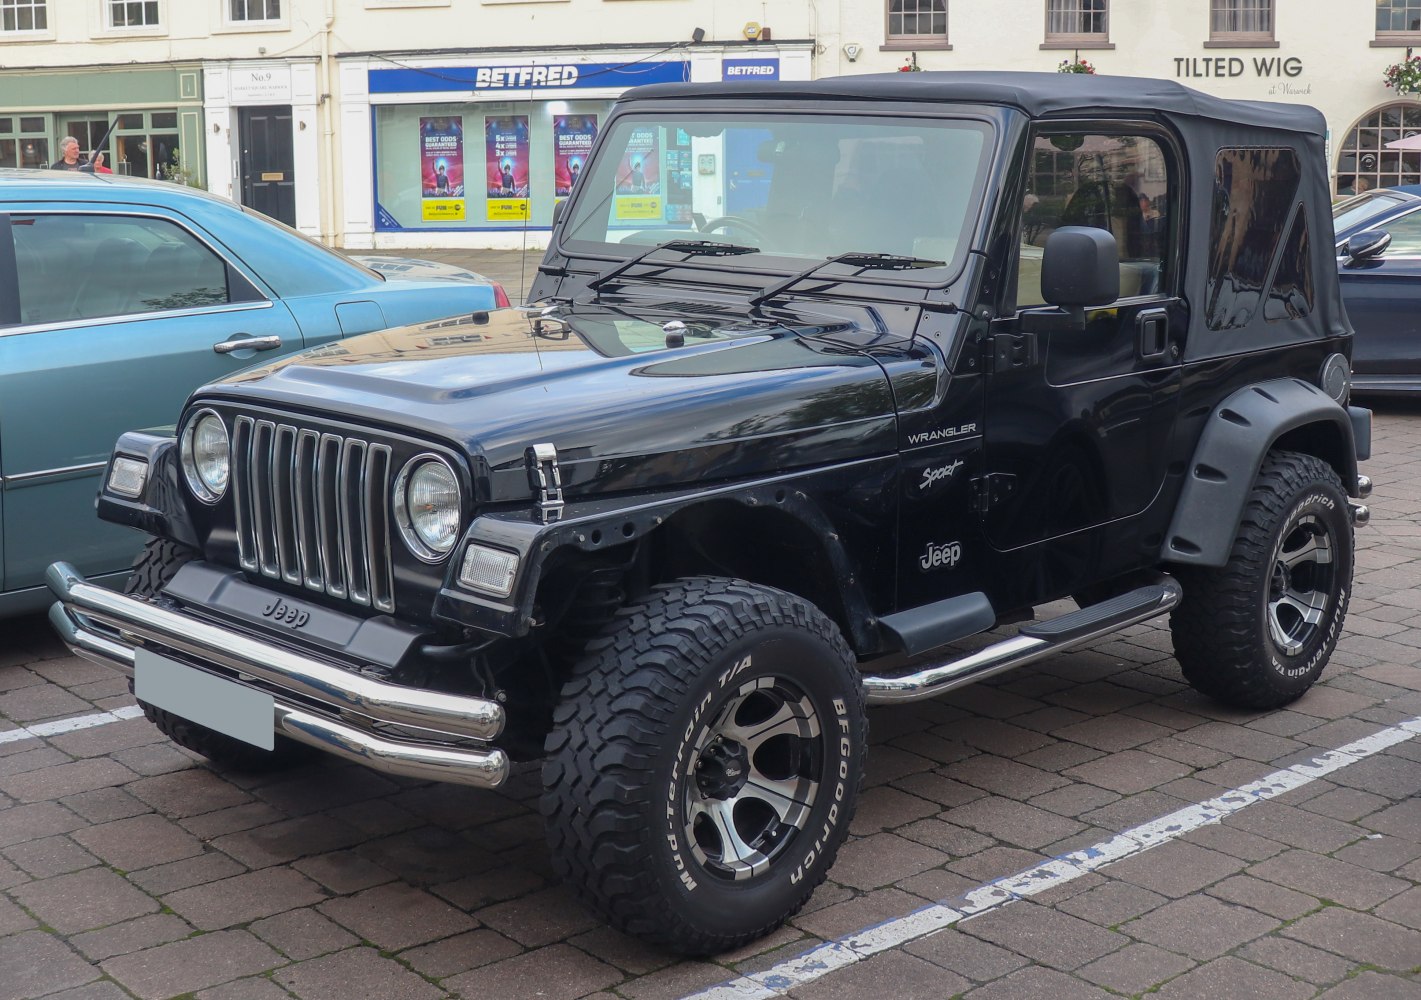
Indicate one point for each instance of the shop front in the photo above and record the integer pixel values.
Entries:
(476, 151)
(147, 121)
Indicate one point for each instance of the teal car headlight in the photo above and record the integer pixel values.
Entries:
(206, 456)
(427, 506)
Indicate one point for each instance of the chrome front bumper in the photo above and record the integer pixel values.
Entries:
(317, 703)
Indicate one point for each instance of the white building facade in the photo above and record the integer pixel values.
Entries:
(408, 123)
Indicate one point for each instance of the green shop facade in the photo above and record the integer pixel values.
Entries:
(147, 120)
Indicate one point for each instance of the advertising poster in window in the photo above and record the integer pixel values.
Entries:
(639, 177)
(572, 141)
(506, 144)
(441, 152)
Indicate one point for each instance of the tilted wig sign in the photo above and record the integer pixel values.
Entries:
(441, 147)
(506, 144)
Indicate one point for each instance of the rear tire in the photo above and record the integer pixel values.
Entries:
(154, 568)
(1257, 632)
(704, 763)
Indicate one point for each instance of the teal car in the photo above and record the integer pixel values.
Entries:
(118, 297)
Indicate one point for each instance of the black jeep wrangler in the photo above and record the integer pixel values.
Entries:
(819, 381)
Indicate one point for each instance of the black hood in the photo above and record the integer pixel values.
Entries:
(627, 403)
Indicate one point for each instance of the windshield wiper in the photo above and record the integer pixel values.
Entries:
(700, 248)
(854, 258)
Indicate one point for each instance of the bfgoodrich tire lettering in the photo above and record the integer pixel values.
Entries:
(155, 566)
(1258, 632)
(705, 763)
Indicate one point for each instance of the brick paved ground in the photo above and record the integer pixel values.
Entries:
(129, 869)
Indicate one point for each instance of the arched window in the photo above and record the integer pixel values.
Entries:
(1364, 162)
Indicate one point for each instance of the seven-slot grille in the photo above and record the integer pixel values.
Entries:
(313, 509)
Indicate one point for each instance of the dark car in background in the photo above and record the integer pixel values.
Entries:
(1381, 286)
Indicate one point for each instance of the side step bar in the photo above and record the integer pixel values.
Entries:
(1032, 642)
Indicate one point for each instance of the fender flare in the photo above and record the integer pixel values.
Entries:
(598, 525)
(1238, 434)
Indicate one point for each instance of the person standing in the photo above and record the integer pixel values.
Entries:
(69, 156)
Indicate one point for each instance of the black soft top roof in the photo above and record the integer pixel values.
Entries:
(1038, 94)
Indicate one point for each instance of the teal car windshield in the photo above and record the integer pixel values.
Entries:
(796, 187)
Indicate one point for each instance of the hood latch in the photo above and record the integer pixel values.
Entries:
(545, 480)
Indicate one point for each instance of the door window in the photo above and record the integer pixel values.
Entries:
(78, 267)
(1119, 183)
(1405, 235)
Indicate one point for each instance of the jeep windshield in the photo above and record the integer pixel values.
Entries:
(796, 188)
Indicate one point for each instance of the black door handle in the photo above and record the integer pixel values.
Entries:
(1152, 334)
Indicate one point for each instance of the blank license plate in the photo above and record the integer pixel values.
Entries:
(214, 702)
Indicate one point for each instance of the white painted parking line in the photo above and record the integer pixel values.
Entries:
(70, 725)
(851, 948)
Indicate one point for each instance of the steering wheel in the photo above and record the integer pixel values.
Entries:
(735, 222)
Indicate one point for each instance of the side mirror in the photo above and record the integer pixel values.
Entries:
(558, 210)
(1367, 246)
(1080, 267)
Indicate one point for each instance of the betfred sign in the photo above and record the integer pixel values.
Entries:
(750, 69)
(523, 77)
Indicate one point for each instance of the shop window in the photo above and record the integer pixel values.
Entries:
(253, 10)
(1241, 21)
(75, 267)
(1399, 20)
(132, 13)
(1077, 22)
(1119, 183)
(1364, 163)
(1255, 191)
(24, 15)
(22, 147)
(495, 165)
(920, 22)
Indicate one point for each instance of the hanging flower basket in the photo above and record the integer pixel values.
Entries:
(1404, 77)
(1075, 66)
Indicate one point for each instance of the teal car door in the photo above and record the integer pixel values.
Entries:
(121, 314)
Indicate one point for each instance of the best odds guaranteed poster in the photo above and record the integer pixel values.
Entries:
(572, 141)
(506, 145)
(639, 176)
(441, 152)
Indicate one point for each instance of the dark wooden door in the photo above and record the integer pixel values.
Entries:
(268, 163)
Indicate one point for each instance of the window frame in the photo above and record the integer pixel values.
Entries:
(1222, 38)
(1077, 39)
(244, 291)
(26, 34)
(232, 24)
(160, 26)
(927, 42)
(1385, 38)
(1171, 244)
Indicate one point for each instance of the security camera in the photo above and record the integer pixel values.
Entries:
(852, 50)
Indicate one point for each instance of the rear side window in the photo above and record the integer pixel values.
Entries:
(1259, 239)
(76, 267)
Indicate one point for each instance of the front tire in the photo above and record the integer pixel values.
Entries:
(154, 568)
(1258, 632)
(704, 763)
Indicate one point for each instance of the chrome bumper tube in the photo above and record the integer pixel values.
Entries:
(103, 627)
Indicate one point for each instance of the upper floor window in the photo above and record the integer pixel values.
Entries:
(917, 21)
(24, 15)
(133, 13)
(1241, 20)
(254, 10)
(1076, 21)
(1398, 18)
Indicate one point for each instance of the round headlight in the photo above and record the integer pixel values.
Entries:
(207, 456)
(427, 507)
